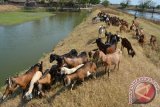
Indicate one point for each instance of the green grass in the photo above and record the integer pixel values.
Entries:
(12, 18)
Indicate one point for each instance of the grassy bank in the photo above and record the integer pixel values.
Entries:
(11, 18)
(103, 91)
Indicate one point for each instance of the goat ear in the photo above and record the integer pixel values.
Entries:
(41, 62)
(6, 82)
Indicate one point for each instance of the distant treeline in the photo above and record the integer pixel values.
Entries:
(68, 3)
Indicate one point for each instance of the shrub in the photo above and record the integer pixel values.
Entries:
(105, 3)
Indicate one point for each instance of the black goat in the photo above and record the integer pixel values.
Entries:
(126, 43)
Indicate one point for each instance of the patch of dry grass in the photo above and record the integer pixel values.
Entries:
(103, 91)
(8, 8)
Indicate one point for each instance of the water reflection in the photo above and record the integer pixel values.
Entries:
(147, 15)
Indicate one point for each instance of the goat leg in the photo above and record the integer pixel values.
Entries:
(118, 65)
(114, 67)
(94, 75)
(105, 69)
(108, 72)
(122, 48)
(40, 92)
(72, 85)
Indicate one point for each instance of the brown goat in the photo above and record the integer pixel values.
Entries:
(21, 81)
(123, 28)
(153, 40)
(73, 62)
(141, 40)
(50, 77)
(45, 80)
(109, 59)
(124, 23)
(86, 70)
(132, 27)
(136, 23)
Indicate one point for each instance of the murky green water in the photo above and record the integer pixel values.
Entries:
(23, 45)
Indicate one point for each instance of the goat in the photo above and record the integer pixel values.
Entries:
(153, 40)
(73, 62)
(35, 78)
(86, 70)
(21, 81)
(65, 70)
(51, 78)
(106, 48)
(141, 40)
(71, 54)
(132, 27)
(123, 28)
(101, 30)
(109, 59)
(41, 79)
(126, 43)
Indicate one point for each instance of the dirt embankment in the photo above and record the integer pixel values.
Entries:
(8, 8)
(103, 91)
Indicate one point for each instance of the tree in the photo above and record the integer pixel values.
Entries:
(125, 3)
(158, 7)
(105, 3)
(3, 1)
(94, 1)
(144, 4)
(84, 1)
(152, 4)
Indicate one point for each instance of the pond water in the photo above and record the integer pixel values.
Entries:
(147, 15)
(21, 46)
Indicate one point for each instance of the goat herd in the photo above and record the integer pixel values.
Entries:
(124, 27)
(72, 67)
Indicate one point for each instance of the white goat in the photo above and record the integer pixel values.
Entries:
(35, 78)
(65, 70)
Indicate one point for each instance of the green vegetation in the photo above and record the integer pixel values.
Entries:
(94, 1)
(158, 7)
(146, 4)
(3, 1)
(125, 3)
(105, 3)
(11, 18)
(87, 1)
